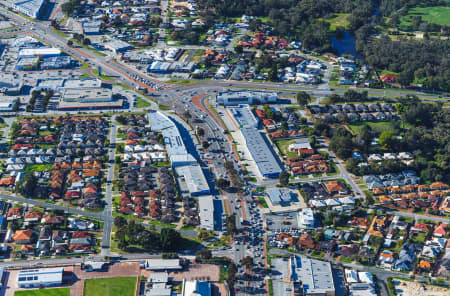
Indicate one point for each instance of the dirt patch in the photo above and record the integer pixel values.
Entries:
(405, 288)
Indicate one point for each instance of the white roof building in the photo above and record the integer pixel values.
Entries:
(163, 264)
(351, 276)
(31, 278)
(306, 218)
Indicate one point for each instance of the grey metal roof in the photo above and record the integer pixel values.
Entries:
(315, 275)
(261, 153)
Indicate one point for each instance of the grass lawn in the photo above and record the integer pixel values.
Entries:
(44, 292)
(38, 167)
(283, 146)
(104, 77)
(181, 81)
(437, 15)
(377, 126)
(141, 103)
(123, 286)
(84, 75)
(262, 202)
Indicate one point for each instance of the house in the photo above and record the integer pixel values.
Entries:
(407, 257)
(386, 258)
(13, 214)
(22, 236)
(441, 230)
(359, 222)
(305, 241)
(32, 216)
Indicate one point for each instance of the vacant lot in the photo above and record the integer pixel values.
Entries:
(339, 20)
(123, 286)
(406, 288)
(44, 292)
(437, 15)
(283, 145)
(376, 126)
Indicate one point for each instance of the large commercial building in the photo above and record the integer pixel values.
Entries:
(310, 277)
(42, 52)
(262, 153)
(194, 178)
(182, 161)
(7, 103)
(91, 27)
(117, 46)
(27, 64)
(163, 264)
(31, 8)
(306, 218)
(283, 197)
(46, 277)
(196, 288)
(206, 212)
(89, 98)
(244, 116)
(246, 97)
(59, 62)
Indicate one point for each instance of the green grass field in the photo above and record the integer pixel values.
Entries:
(437, 15)
(339, 20)
(377, 126)
(44, 292)
(123, 286)
(141, 103)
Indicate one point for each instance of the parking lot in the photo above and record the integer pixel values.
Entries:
(283, 222)
(280, 272)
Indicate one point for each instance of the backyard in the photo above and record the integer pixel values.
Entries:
(124, 286)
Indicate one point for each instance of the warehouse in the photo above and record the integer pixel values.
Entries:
(194, 178)
(31, 8)
(244, 116)
(246, 97)
(261, 153)
(46, 277)
(206, 212)
(312, 277)
(43, 52)
(176, 149)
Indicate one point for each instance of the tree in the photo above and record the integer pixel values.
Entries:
(120, 221)
(222, 183)
(205, 144)
(386, 139)
(203, 254)
(405, 78)
(26, 185)
(170, 239)
(230, 221)
(86, 41)
(247, 262)
(284, 178)
(238, 49)
(200, 132)
(149, 240)
(303, 98)
(273, 73)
